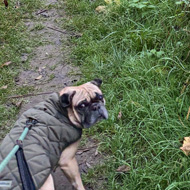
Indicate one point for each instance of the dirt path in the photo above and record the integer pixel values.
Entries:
(49, 71)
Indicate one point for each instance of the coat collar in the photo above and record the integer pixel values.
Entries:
(57, 110)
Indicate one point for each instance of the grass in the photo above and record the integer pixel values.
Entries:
(141, 51)
(14, 42)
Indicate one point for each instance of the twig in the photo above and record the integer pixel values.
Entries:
(86, 149)
(188, 113)
(42, 11)
(185, 85)
(187, 56)
(81, 150)
(27, 95)
(181, 121)
(63, 32)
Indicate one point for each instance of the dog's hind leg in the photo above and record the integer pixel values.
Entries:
(49, 184)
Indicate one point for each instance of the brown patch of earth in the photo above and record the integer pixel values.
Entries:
(49, 71)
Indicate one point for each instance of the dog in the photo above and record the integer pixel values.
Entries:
(56, 137)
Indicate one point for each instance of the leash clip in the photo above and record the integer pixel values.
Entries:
(30, 122)
(19, 143)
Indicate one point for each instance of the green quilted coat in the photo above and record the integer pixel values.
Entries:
(43, 144)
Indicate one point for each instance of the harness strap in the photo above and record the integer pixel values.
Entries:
(25, 175)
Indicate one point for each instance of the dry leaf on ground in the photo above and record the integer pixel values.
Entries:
(18, 104)
(6, 64)
(101, 9)
(96, 152)
(186, 146)
(4, 87)
(38, 78)
(119, 115)
(88, 165)
(123, 168)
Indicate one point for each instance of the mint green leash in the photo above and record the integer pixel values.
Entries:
(16, 147)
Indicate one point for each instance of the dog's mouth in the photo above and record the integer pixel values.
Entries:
(103, 114)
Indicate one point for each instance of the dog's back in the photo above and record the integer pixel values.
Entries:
(43, 144)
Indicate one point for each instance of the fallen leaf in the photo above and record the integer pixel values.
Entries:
(186, 146)
(119, 115)
(17, 103)
(88, 165)
(4, 87)
(38, 78)
(96, 152)
(101, 9)
(123, 168)
(6, 64)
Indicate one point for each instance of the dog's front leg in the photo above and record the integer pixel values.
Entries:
(69, 165)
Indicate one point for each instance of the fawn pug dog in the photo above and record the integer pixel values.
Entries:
(85, 106)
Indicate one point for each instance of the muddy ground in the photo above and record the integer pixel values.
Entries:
(50, 71)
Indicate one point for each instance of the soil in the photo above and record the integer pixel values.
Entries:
(49, 71)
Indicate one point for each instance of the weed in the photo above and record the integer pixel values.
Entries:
(53, 67)
(52, 76)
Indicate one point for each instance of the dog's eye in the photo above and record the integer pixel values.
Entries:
(83, 105)
(100, 97)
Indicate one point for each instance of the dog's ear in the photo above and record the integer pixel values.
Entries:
(66, 99)
(97, 82)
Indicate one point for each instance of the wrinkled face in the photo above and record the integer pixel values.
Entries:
(85, 104)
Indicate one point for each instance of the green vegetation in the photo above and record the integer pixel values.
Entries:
(141, 51)
(13, 43)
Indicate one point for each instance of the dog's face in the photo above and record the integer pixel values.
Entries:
(85, 103)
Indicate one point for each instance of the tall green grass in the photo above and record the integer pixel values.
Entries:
(141, 51)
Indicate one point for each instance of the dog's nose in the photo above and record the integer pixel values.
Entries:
(95, 107)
